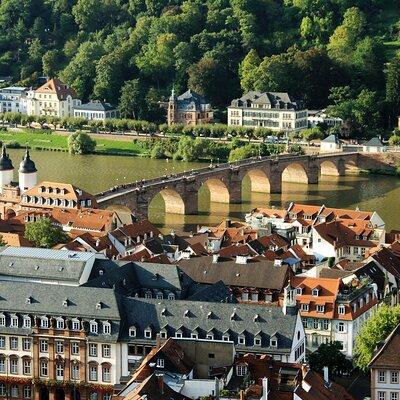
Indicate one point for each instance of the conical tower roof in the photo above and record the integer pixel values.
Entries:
(27, 166)
(5, 161)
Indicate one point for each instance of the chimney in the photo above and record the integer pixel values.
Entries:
(215, 258)
(326, 375)
(158, 341)
(265, 389)
(161, 383)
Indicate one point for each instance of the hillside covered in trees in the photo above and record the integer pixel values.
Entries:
(132, 52)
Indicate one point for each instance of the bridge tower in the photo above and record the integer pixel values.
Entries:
(172, 108)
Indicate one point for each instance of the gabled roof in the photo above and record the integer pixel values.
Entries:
(388, 355)
(95, 106)
(58, 87)
(331, 139)
(375, 142)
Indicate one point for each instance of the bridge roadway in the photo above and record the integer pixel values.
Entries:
(224, 181)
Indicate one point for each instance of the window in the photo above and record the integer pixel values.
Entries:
(325, 324)
(93, 327)
(178, 335)
(341, 309)
(394, 377)
(315, 292)
(225, 337)
(394, 396)
(2, 389)
(2, 320)
(273, 342)
(381, 376)
(163, 334)
(14, 391)
(106, 373)
(315, 323)
(132, 331)
(194, 336)
(299, 291)
(27, 322)
(381, 395)
(93, 349)
(14, 343)
(320, 308)
(93, 372)
(257, 342)
(106, 396)
(2, 365)
(241, 340)
(26, 364)
(60, 323)
(2, 342)
(43, 368)
(44, 346)
(160, 363)
(60, 371)
(44, 322)
(75, 371)
(59, 347)
(147, 333)
(14, 365)
(304, 307)
(27, 392)
(341, 326)
(74, 348)
(75, 325)
(241, 369)
(14, 321)
(26, 344)
(106, 350)
(106, 328)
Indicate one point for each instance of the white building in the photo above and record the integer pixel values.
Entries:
(54, 98)
(374, 145)
(331, 144)
(276, 111)
(13, 99)
(317, 117)
(96, 110)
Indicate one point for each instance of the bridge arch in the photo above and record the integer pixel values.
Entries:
(217, 189)
(329, 168)
(259, 181)
(296, 173)
(173, 202)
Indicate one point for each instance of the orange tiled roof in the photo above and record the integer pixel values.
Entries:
(56, 86)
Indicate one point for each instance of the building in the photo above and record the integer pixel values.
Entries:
(385, 369)
(189, 109)
(272, 110)
(331, 144)
(333, 309)
(96, 110)
(320, 117)
(374, 145)
(13, 99)
(54, 98)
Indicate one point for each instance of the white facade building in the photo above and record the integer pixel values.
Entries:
(331, 144)
(96, 110)
(275, 111)
(13, 99)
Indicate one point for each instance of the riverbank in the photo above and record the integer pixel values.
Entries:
(48, 140)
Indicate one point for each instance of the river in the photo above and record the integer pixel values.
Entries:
(95, 173)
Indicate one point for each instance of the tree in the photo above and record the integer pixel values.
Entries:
(51, 63)
(43, 233)
(330, 355)
(373, 331)
(248, 70)
(131, 101)
(393, 86)
(81, 143)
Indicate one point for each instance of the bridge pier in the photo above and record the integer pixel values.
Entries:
(312, 174)
(275, 182)
(191, 201)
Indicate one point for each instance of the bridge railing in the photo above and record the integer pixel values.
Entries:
(206, 170)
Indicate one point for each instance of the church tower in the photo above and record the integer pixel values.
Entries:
(172, 109)
(27, 173)
(6, 169)
(289, 300)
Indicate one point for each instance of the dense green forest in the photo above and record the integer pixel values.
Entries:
(132, 52)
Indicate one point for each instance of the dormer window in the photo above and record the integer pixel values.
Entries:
(241, 369)
(299, 291)
(194, 335)
(163, 334)
(241, 340)
(106, 328)
(60, 323)
(44, 322)
(2, 320)
(210, 336)
(257, 341)
(320, 308)
(305, 307)
(14, 321)
(147, 333)
(273, 342)
(98, 306)
(27, 323)
(178, 334)
(171, 296)
(315, 292)
(132, 331)
(75, 324)
(341, 309)
(93, 327)
(65, 303)
(361, 302)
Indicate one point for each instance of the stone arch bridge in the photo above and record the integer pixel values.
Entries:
(224, 181)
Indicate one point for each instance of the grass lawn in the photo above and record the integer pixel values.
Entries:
(46, 140)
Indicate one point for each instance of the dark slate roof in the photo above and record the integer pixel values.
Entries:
(375, 142)
(261, 274)
(48, 300)
(276, 100)
(331, 139)
(388, 355)
(212, 293)
(251, 320)
(191, 100)
(5, 161)
(95, 106)
(44, 264)
(27, 166)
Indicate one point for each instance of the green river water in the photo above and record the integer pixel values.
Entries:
(95, 173)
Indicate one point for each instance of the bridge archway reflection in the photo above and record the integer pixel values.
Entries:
(295, 173)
